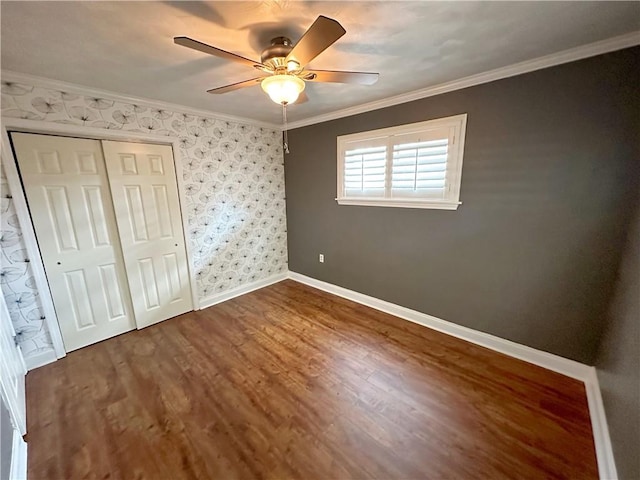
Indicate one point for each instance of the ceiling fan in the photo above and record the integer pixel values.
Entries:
(282, 64)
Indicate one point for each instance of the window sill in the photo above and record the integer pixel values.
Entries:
(387, 202)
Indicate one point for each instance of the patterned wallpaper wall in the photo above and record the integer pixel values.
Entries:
(17, 282)
(234, 181)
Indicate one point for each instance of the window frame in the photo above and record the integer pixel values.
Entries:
(451, 201)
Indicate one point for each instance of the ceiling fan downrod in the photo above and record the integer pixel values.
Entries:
(284, 133)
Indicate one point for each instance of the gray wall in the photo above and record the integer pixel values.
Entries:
(549, 172)
(618, 362)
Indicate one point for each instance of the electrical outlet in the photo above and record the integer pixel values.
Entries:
(321, 258)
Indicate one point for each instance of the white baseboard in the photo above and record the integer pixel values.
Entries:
(601, 438)
(236, 292)
(18, 468)
(547, 360)
(556, 363)
(40, 359)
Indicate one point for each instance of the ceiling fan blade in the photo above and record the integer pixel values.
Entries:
(320, 36)
(236, 86)
(203, 47)
(360, 78)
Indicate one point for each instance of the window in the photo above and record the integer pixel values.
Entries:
(416, 166)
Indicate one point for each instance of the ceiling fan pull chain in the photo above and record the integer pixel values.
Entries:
(284, 121)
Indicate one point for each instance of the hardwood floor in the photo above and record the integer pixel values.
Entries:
(291, 382)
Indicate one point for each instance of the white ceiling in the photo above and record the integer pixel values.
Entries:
(127, 47)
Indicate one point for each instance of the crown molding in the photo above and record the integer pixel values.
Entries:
(558, 58)
(17, 77)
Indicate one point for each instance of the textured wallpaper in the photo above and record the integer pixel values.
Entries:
(16, 280)
(234, 180)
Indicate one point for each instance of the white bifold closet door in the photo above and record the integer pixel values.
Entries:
(145, 197)
(68, 194)
(71, 200)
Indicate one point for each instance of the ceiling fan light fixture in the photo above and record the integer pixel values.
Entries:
(283, 89)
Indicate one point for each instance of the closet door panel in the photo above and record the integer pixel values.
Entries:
(145, 194)
(70, 203)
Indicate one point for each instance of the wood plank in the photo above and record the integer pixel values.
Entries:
(292, 382)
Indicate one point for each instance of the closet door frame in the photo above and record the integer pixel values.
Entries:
(24, 218)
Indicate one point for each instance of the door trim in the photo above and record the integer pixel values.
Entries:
(24, 219)
(18, 467)
(17, 407)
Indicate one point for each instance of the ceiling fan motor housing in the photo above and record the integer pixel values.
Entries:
(275, 54)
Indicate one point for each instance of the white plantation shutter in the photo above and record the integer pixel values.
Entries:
(417, 165)
(365, 170)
